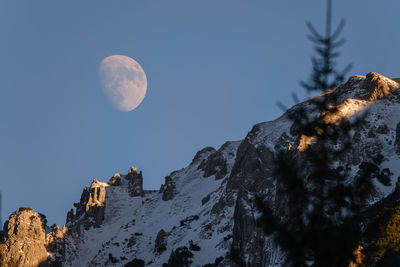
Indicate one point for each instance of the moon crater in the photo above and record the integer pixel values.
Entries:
(123, 81)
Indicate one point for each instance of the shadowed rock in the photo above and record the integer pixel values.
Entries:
(200, 155)
(161, 242)
(168, 189)
(215, 164)
(397, 141)
(135, 182)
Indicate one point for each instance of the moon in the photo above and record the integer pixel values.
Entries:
(123, 82)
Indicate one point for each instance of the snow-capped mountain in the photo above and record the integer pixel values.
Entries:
(205, 212)
(146, 225)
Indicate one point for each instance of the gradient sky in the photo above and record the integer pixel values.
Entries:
(214, 69)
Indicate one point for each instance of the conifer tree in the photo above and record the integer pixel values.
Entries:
(324, 74)
(320, 224)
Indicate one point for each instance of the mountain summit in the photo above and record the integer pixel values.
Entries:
(204, 214)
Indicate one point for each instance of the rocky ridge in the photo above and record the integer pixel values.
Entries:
(206, 209)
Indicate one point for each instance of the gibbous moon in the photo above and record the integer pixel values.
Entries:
(123, 81)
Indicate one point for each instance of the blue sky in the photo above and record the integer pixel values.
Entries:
(214, 69)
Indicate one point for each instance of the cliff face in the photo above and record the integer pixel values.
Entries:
(24, 240)
(206, 211)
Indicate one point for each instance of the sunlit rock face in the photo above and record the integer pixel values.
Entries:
(207, 208)
(24, 239)
(378, 87)
(90, 209)
(96, 203)
(115, 179)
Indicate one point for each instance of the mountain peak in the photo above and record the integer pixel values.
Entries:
(24, 239)
(205, 211)
(378, 86)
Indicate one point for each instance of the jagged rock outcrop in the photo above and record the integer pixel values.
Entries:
(24, 240)
(160, 244)
(168, 189)
(90, 209)
(96, 203)
(56, 243)
(378, 87)
(89, 213)
(202, 154)
(252, 169)
(215, 164)
(116, 179)
(135, 182)
(397, 141)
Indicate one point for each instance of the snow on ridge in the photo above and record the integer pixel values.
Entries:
(97, 183)
(350, 95)
(381, 118)
(185, 218)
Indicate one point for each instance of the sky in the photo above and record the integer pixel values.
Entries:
(214, 69)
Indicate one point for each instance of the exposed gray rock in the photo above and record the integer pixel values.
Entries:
(248, 237)
(253, 166)
(135, 182)
(161, 242)
(70, 216)
(132, 241)
(200, 155)
(205, 199)
(215, 164)
(285, 142)
(225, 201)
(81, 206)
(382, 129)
(168, 189)
(397, 141)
